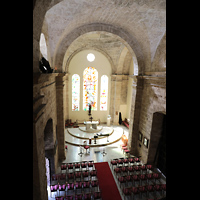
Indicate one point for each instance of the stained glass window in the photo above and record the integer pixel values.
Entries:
(104, 92)
(75, 92)
(90, 84)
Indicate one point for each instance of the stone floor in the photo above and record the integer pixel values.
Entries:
(96, 153)
(112, 150)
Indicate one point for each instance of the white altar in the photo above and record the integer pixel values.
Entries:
(89, 123)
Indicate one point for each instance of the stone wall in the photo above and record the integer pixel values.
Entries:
(45, 103)
(150, 98)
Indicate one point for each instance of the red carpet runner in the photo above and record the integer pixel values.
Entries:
(106, 182)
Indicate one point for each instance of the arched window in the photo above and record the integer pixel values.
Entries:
(43, 46)
(90, 84)
(75, 92)
(104, 92)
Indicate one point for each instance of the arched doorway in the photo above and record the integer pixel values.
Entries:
(49, 146)
(157, 145)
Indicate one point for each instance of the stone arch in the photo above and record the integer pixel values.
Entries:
(127, 39)
(40, 7)
(128, 62)
(69, 57)
(121, 60)
(159, 59)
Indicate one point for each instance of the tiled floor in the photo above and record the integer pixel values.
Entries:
(96, 153)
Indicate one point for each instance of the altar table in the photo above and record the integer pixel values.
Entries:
(89, 123)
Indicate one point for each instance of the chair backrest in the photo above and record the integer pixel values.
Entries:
(135, 190)
(62, 176)
(54, 187)
(142, 188)
(78, 196)
(149, 176)
(77, 174)
(64, 166)
(77, 165)
(94, 183)
(156, 175)
(131, 160)
(135, 177)
(150, 187)
(84, 164)
(70, 175)
(59, 198)
(128, 178)
(113, 162)
(85, 173)
(90, 164)
(137, 168)
(62, 187)
(70, 165)
(142, 176)
(69, 197)
(93, 172)
(163, 186)
(130, 169)
(97, 195)
(149, 166)
(123, 169)
(78, 184)
(122, 179)
(126, 191)
(143, 167)
(87, 196)
(86, 184)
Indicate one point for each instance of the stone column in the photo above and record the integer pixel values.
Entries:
(60, 115)
(116, 86)
(135, 117)
(112, 98)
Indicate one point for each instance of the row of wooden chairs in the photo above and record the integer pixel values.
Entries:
(153, 177)
(137, 169)
(85, 195)
(77, 166)
(130, 171)
(75, 186)
(124, 162)
(74, 176)
(147, 189)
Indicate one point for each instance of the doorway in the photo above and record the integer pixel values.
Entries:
(49, 147)
(160, 157)
(157, 145)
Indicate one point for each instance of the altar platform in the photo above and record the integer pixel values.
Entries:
(76, 136)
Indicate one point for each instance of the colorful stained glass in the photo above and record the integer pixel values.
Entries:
(104, 92)
(90, 84)
(75, 92)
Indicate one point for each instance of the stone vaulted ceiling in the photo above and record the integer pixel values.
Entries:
(114, 27)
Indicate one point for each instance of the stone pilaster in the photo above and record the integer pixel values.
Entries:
(60, 115)
(135, 107)
(116, 87)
